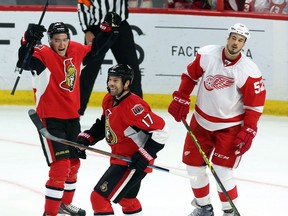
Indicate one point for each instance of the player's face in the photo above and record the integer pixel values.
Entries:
(235, 44)
(59, 43)
(116, 86)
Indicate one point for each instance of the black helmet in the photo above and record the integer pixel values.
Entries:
(57, 28)
(123, 71)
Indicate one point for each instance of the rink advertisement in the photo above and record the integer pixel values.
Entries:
(165, 44)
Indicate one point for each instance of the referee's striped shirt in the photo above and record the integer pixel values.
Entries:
(92, 12)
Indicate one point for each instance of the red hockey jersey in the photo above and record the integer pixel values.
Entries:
(57, 87)
(129, 124)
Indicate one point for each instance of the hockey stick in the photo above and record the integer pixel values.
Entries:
(30, 45)
(44, 132)
(209, 164)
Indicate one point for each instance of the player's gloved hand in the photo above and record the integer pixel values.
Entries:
(33, 34)
(140, 159)
(111, 22)
(85, 139)
(244, 139)
(179, 107)
(81, 153)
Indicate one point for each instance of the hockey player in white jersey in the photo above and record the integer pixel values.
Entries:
(230, 101)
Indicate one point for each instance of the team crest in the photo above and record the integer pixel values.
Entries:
(70, 75)
(110, 136)
(186, 153)
(218, 82)
(104, 186)
(137, 109)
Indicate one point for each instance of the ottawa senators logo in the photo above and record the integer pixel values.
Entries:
(104, 186)
(70, 75)
(110, 136)
(217, 82)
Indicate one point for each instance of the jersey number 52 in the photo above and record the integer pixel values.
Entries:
(259, 86)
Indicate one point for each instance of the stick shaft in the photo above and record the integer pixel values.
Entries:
(209, 164)
(30, 45)
(44, 132)
(43, 13)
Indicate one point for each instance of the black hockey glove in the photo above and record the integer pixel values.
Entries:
(81, 153)
(84, 138)
(94, 134)
(33, 34)
(22, 52)
(111, 22)
(140, 159)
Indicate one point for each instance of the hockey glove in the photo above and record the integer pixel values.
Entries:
(244, 140)
(33, 34)
(140, 159)
(179, 107)
(109, 29)
(81, 153)
(22, 52)
(111, 22)
(85, 139)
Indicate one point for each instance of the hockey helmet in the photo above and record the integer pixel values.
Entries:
(58, 28)
(122, 70)
(241, 29)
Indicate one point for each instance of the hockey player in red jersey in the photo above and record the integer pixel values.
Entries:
(57, 93)
(132, 130)
(229, 103)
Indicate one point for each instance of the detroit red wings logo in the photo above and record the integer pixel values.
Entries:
(218, 82)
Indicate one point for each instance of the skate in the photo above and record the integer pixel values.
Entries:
(229, 212)
(206, 210)
(69, 209)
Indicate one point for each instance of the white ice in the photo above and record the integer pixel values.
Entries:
(262, 176)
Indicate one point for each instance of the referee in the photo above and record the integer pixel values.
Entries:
(91, 13)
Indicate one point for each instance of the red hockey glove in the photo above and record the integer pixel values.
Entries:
(85, 139)
(140, 160)
(244, 140)
(179, 107)
(111, 22)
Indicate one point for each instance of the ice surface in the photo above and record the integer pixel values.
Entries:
(262, 176)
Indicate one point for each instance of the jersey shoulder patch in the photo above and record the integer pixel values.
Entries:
(137, 109)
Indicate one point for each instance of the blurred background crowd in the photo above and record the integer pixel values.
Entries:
(262, 6)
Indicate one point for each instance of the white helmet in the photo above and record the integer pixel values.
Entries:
(241, 29)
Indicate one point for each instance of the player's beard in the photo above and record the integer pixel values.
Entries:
(233, 52)
(116, 92)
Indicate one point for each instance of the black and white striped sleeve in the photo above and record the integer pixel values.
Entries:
(93, 14)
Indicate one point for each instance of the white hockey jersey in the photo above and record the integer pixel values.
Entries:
(228, 92)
